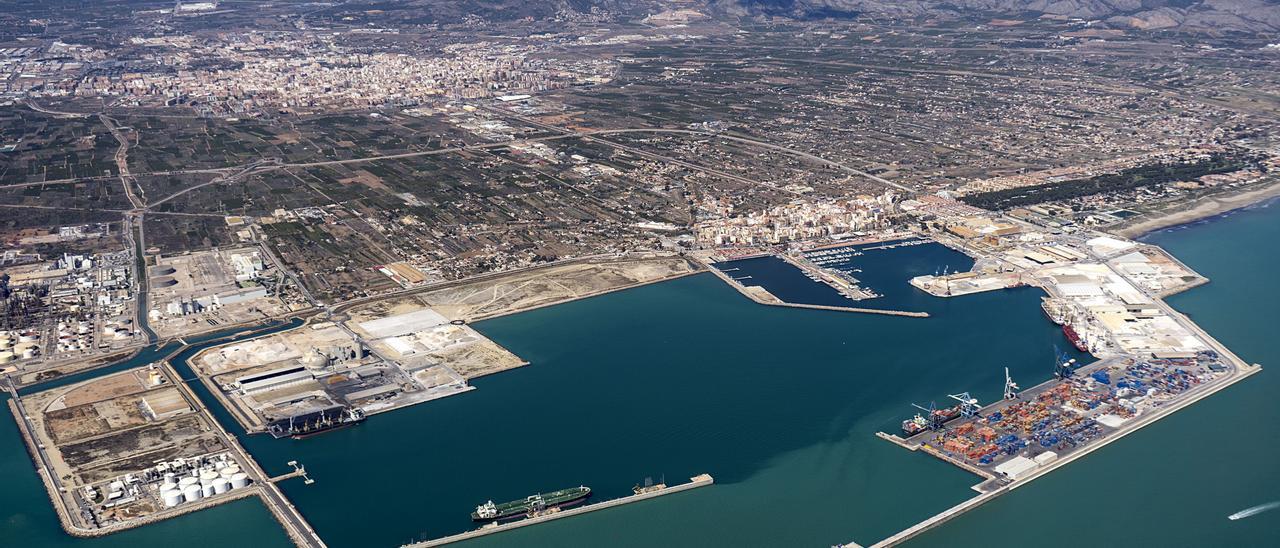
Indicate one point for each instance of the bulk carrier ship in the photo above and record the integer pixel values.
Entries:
(531, 504)
(1074, 337)
(315, 422)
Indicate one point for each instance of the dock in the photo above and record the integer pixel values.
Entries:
(762, 296)
(700, 480)
(993, 486)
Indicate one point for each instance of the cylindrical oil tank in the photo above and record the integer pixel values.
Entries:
(207, 477)
(221, 485)
(230, 470)
(168, 486)
(186, 482)
(240, 480)
(207, 490)
(192, 493)
(6, 356)
(172, 497)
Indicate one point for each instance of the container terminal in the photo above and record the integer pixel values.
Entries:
(1107, 294)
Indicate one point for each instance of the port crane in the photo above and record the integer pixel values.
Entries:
(1063, 365)
(968, 404)
(1010, 387)
(930, 414)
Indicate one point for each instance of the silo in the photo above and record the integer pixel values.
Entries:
(240, 480)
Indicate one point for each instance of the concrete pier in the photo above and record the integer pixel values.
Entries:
(700, 480)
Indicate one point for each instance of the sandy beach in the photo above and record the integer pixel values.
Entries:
(1195, 210)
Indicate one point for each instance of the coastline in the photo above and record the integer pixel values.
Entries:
(1198, 210)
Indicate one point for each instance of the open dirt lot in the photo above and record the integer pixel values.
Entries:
(543, 287)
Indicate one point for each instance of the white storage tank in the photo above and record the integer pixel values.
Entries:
(221, 485)
(239, 480)
(207, 490)
(172, 497)
(192, 493)
(186, 482)
(207, 477)
(168, 486)
(230, 470)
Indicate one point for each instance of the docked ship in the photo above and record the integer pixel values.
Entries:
(1055, 309)
(533, 504)
(920, 423)
(315, 422)
(1074, 337)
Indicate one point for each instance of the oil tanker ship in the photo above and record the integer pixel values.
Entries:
(315, 422)
(531, 504)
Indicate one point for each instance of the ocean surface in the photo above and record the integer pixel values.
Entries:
(781, 406)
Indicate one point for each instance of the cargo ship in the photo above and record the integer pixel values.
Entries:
(920, 423)
(531, 504)
(316, 422)
(1054, 309)
(1074, 337)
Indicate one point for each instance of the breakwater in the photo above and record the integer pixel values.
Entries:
(700, 480)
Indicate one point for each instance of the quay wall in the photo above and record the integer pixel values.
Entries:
(1141, 422)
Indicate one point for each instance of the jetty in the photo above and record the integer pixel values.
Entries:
(700, 480)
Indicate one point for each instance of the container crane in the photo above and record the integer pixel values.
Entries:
(1010, 387)
(1063, 365)
(968, 404)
